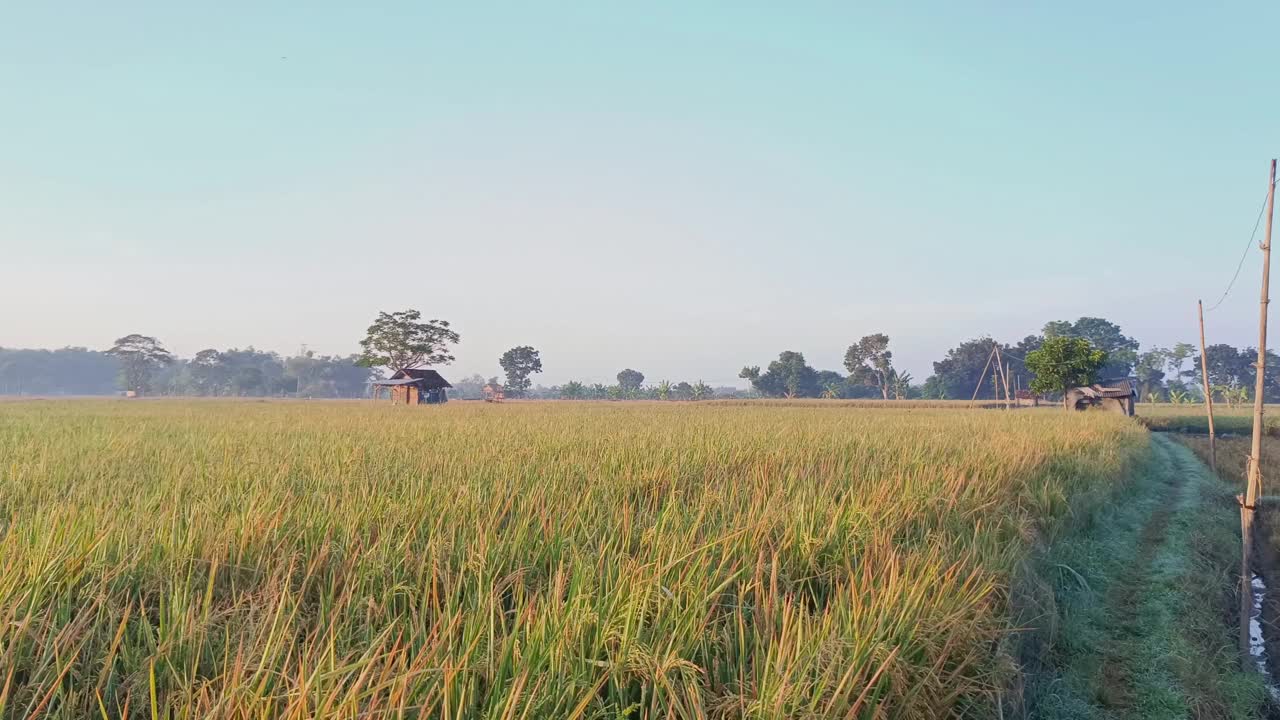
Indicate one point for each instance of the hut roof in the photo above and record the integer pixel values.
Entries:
(429, 379)
(1121, 388)
(394, 383)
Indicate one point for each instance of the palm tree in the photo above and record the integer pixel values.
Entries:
(831, 391)
(664, 390)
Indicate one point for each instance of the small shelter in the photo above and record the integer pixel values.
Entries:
(1111, 395)
(414, 386)
(492, 392)
(1026, 398)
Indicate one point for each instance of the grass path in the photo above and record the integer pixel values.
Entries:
(1128, 626)
(1147, 627)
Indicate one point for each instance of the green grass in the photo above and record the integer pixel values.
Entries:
(1146, 600)
(539, 560)
(1191, 418)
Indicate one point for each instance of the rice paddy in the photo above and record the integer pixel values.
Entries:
(541, 560)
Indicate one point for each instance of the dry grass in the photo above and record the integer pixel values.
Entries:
(557, 560)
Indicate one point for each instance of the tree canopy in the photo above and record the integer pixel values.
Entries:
(140, 357)
(1064, 362)
(1121, 350)
(788, 376)
(399, 341)
(630, 380)
(519, 363)
(72, 370)
(871, 362)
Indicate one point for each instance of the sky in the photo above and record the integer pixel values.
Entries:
(681, 188)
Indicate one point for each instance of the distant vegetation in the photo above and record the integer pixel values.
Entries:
(403, 339)
(212, 373)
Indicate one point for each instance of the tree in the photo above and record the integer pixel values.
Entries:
(70, 370)
(519, 363)
(140, 357)
(398, 341)
(788, 376)
(1064, 362)
(1121, 350)
(682, 391)
(956, 375)
(1019, 375)
(901, 383)
(630, 381)
(663, 390)
(1178, 354)
(701, 391)
(315, 375)
(1227, 366)
(573, 390)
(871, 361)
(1150, 371)
(933, 389)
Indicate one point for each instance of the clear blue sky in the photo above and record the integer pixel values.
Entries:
(683, 188)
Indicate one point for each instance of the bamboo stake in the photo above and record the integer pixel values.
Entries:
(1004, 377)
(982, 376)
(1208, 396)
(1253, 488)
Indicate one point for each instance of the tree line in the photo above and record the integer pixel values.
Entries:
(1163, 374)
(142, 364)
(402, 340)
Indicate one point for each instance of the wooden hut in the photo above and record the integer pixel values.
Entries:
(1112, 395)
(492, 392)
(414, 386)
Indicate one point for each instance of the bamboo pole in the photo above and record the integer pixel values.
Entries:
(1004, 377)
(982, 377)
(1208, 396)
(1253, 487)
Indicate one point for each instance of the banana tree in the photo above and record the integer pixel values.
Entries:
(901, 385)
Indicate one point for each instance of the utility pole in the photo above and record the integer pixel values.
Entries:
(1253, 486)
(1208, 396)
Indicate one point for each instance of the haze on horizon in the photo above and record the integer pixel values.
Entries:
(680, 190)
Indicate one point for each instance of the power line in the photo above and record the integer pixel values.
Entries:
(1245, 254)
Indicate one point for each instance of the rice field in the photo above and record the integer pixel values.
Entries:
(217, 559)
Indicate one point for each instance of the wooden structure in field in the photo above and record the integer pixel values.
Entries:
(414, 386)
(1117, 396)
(492, 392)
(1026, 398)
